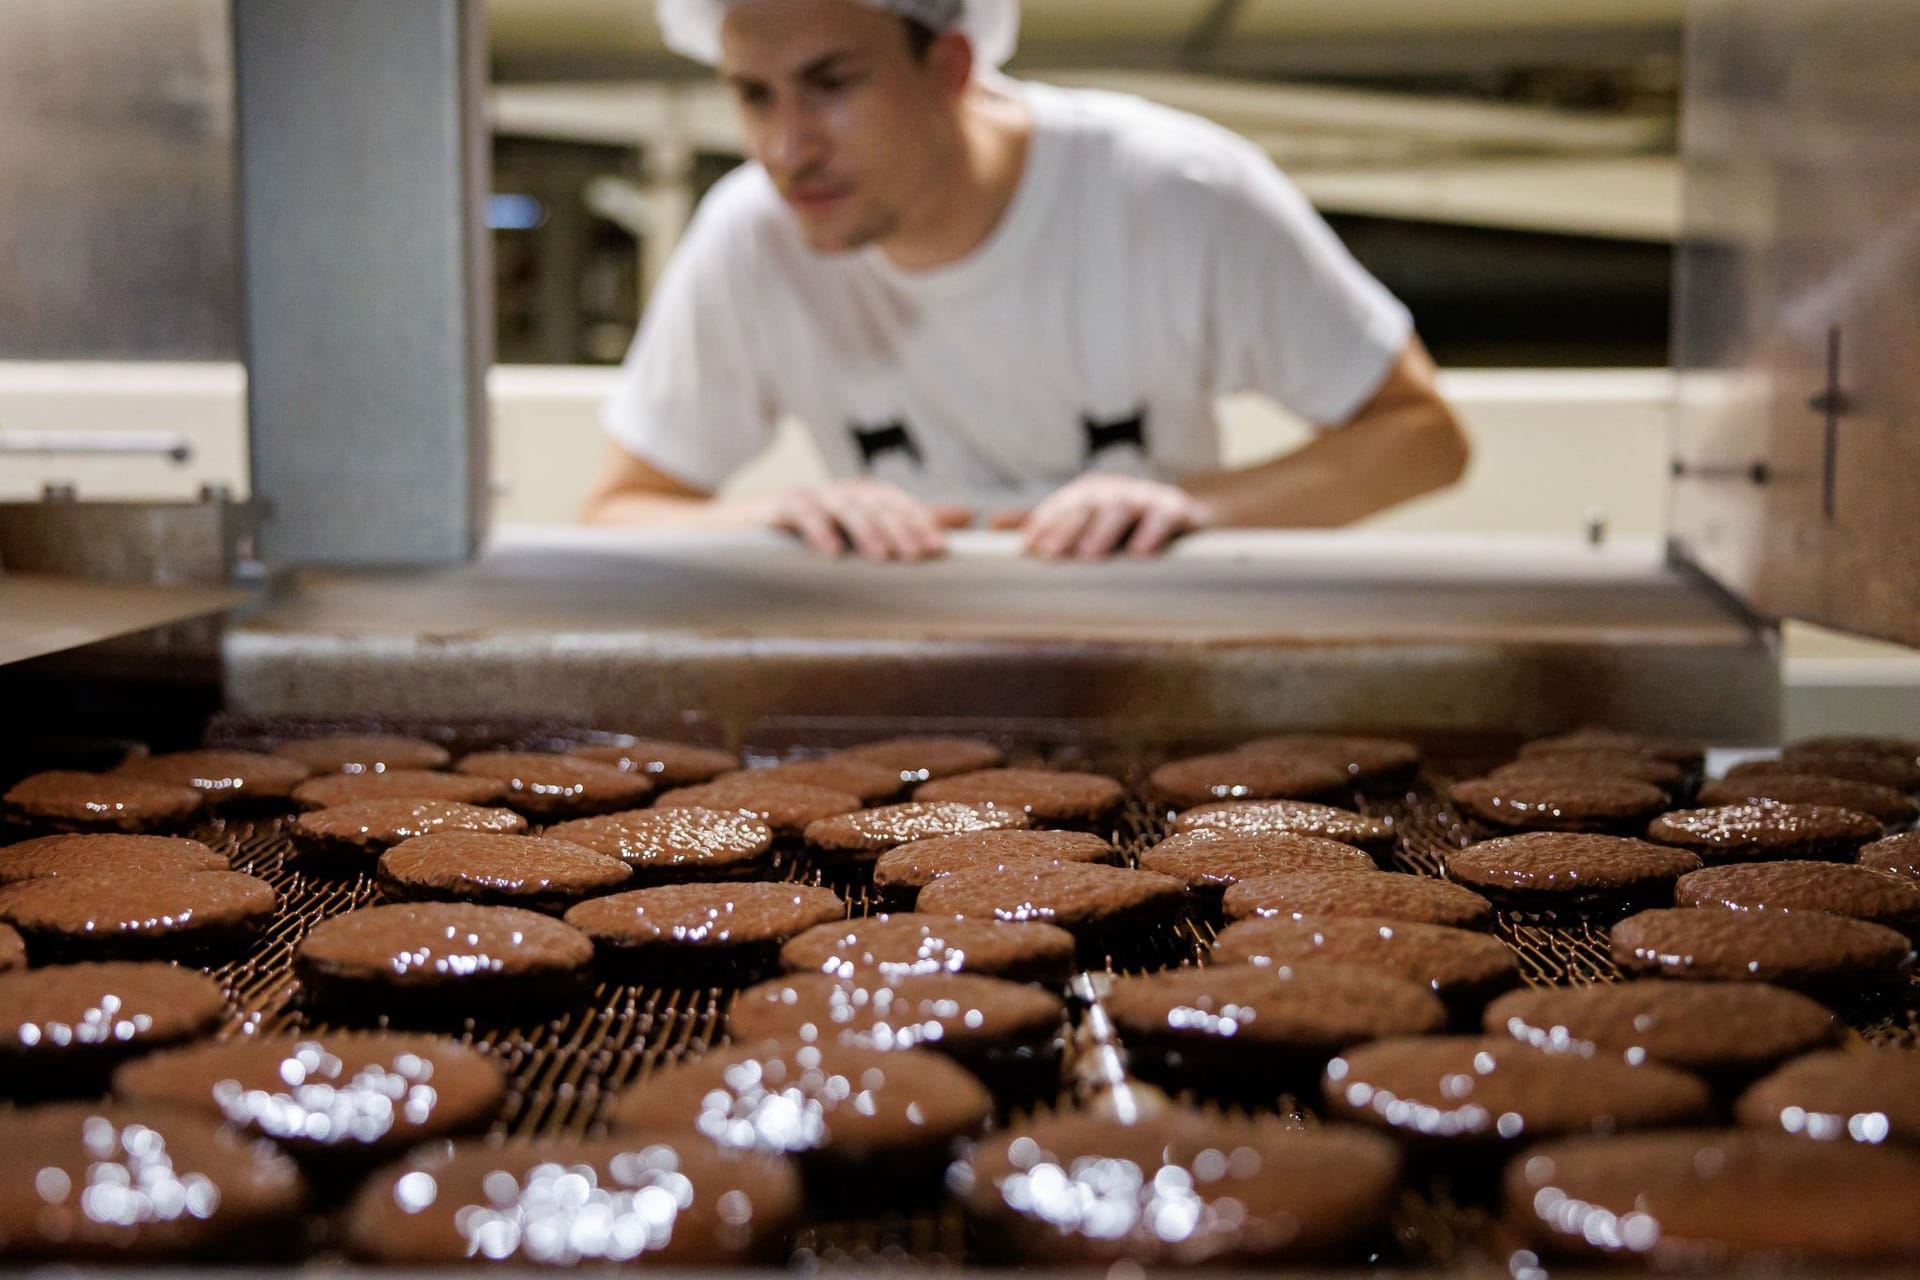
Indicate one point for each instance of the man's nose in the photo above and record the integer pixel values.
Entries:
(794, 140)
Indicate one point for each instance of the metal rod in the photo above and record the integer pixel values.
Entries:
(167, 444)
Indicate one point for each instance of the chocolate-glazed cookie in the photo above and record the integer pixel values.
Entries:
(554, 1203)
(441, 961)
(1464, 969)
(550, 788)
(1856, 744)
(1290, 817)
(1634, 766)
(64, 800)
(853, 1117)
(1869, 1096)
(1099, 905)
(1176, 1189)
(1724, 1031)
(13, 949)
(902, 872)
(908, 944)
(159, 915)
(1481, 1090)
(921, 759)
(336, 789)
(871, 783)
(1366, 761)
(1842, 890)
(535, 872)
(1228, 1027)
(1235, 775)
(336, 1098)
(1687, 754)
(859, 838)
(90, 1182)
(666, 846)
(1766, 830)
(1548, 869)
(1051, 797)
(1209, 862)
(350, 837)
(703, 931)
(1700, 1199)
(1386, 895)
(1896, 855)
(787, 807)
(131, 857)
(1893, 808)
(227, 779)
(1806, 950)
(364, 753)
(63, 1028)
(1901, 772)
(665, 764)
(1553, 803)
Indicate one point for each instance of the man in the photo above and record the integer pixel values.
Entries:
(986, 297)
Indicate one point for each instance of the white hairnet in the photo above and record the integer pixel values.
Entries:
(692, 27)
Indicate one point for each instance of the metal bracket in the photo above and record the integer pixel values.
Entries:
(1831, 403)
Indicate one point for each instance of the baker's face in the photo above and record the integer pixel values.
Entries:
(839, 111)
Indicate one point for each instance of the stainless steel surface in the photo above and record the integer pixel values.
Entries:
(1798, 320)
(1231, 632)
(363, 174)
(161, 543)
(43, 615)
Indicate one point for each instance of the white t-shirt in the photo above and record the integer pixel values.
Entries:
(1150, 262)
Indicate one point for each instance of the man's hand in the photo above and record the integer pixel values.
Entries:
(1098, 515)
(877, 520)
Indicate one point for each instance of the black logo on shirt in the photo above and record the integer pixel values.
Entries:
(1102, 436)
(875, 443)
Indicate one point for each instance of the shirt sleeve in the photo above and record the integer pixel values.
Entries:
(1291, 314)
(692, 400)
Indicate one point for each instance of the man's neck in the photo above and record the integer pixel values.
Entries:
(960, 211)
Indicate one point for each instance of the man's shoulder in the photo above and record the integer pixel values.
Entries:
(1153, 149)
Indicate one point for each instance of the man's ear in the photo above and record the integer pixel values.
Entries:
(950, 58)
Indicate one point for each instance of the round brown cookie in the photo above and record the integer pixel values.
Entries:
(1001, 1031)
(336, 789)
(861, 837)
(1839, 1096)
(1049, 796)
(1365, 760)
(133, 857)
(1687, 754)
(1097, 904)
(550, 788)
(559, 1203)
(1805, 950)
(1897, 772)
(1289, 817)
(444, 960)
(1561, 868)
(64, 800)
(1485, 1089)
(227, 779)
(1766, 830)
(1386, 895)
(668, 845)
(787, 807)
(731, 931)
(91, 1182)
(1696, 1200)
(354, 835)
(851, 1115)
(1464, 969)
(908, 944)
(1856, 744)
(1635, 767)
(902, 872)
(65, 1027)
(1896, 855)
(1554, 803)
(921, 759)
(1192, 1188)
(13, 949)
(1208, 862)
(535, 872)
(364, 753)
(665, 764)
(1722, 1030)
(1893, 808)
(163, 913)
(1225, 1027)
(871, 783)
(1234, 775)
(1805, 886)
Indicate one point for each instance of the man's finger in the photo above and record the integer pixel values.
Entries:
(905, 529)
(863, 530)
(1157, 527)
(1105, 530)
(814, 526)
(1054, 528)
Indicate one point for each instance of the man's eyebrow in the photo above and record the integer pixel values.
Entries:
(820, 66)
